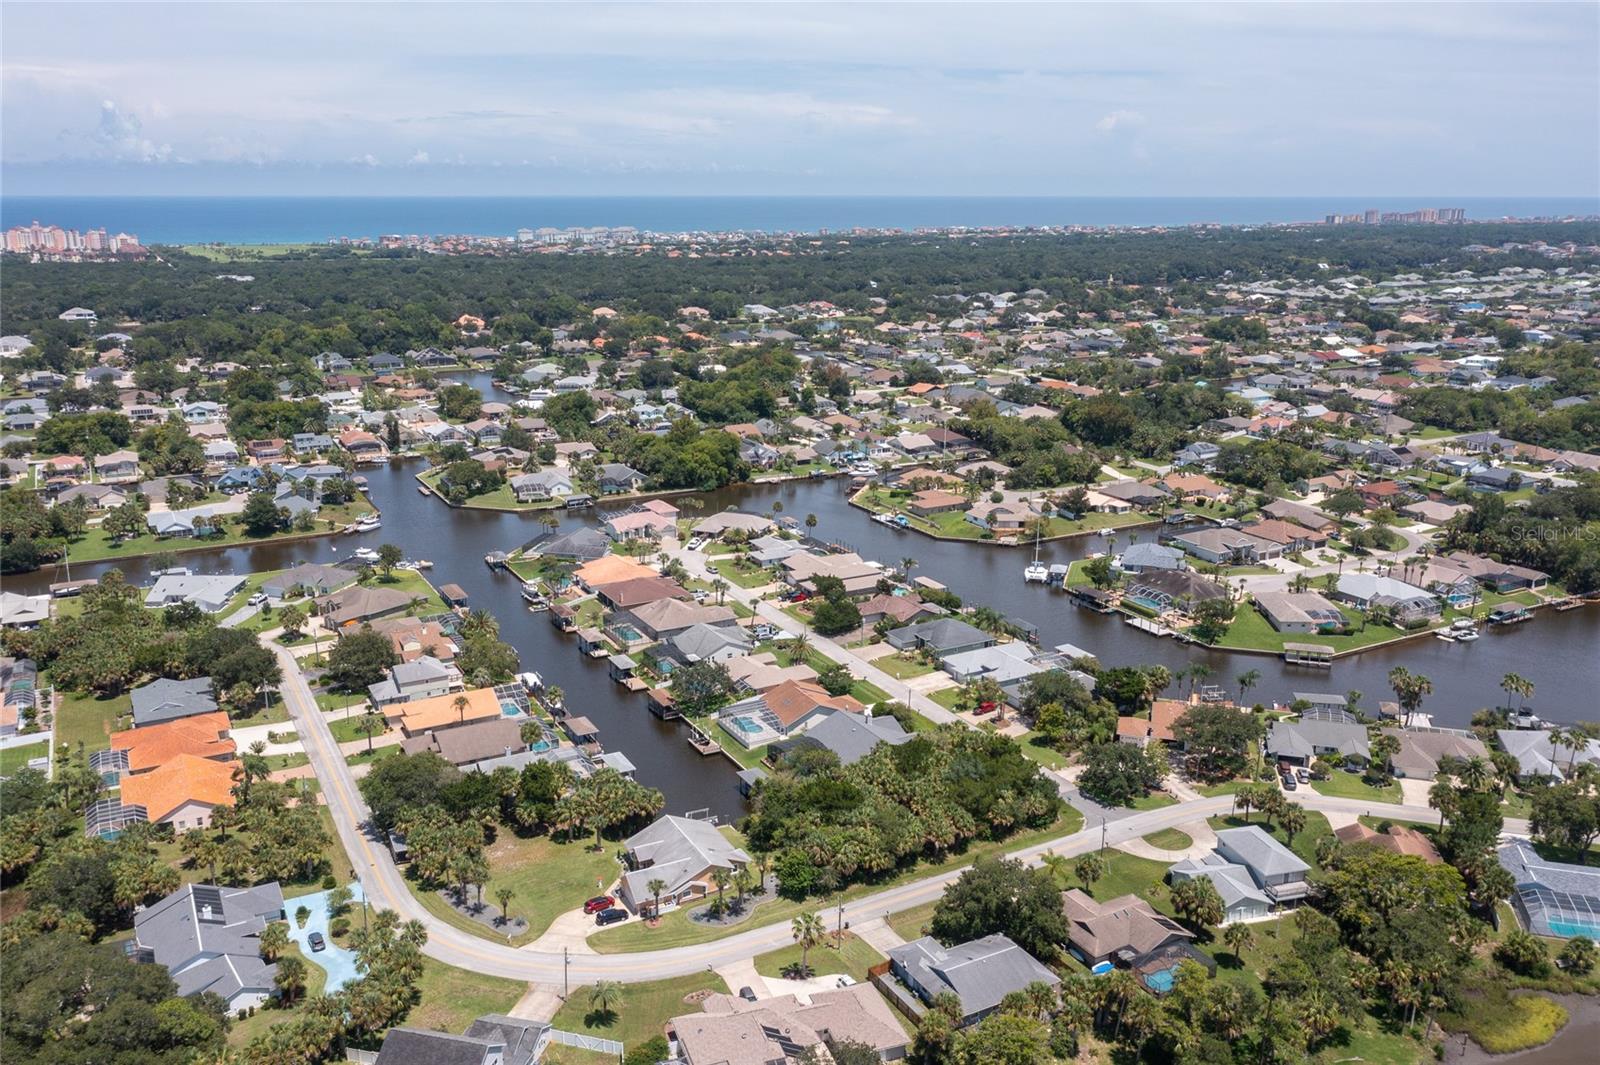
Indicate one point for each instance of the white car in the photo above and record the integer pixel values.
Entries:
(259, 599)
(697, 543)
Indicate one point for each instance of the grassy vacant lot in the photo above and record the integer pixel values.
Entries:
(676, 930)
(1035, 749)
(454, 998)
(901, 666)
(853, 955)
(89, 720)
(547, 877)
(643, 1013)
(15, 759)
(1351, 786)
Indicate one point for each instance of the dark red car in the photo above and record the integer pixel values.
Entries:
(598, 903)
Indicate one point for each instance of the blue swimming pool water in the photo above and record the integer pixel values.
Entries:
(745, 725)
(1161, 980)
(1150, 604)
(1575, 928)
(628, 633)
(542, 745)
(510, 709)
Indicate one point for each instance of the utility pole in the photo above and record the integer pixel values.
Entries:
(1102, 833)
(566, 963)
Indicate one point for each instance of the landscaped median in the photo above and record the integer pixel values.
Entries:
(676, 930)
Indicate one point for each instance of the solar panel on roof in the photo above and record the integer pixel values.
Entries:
(208, 903)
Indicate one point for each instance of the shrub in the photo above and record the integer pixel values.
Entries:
(339, 927)
(1521, 952)
(329, 883)
(1578, 955)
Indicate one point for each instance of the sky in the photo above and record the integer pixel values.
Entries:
(1192, 99)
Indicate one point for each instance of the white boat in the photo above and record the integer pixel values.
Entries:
(423, 563)
(366, 554)
(368, 525)
(531, 681)
(1467, 637)
(1445, 635)
(1036, 572)
(1463, 625)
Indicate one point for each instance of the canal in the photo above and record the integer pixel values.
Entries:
(1559, 652)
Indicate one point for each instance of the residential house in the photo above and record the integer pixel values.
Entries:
(1122, 929)
(492, 1039)
(308, 578)
(209, 593)
(357, 604)
(734, 1031)
(423, 677)
(1539, 759)
(1408, 604)
(541, 485)
(208, 939)
(1302, 742)
(140, 750)
(709, 643)
(452, 710)
(1165, 589)
(1300, 612)
(682, 853)
(1397, 839)
(118, 467)
(791, 707)
(1274, 870)
(980, 973)
(849, 736)
(940, 637)
(1227, 546)
(1552, 898)
(1143, 557)
(182, 792)
(1421, 751)
(615, 478)
(492, 737)
(166, 700)
(665, 618)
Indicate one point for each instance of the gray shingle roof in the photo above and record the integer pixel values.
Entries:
(1264, 855)
(167, 700)
(980, 973)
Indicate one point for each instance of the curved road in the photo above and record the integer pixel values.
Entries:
(385, 887)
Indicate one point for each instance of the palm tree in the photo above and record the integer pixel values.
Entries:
(291, 978)
(907, 564)
(656, 887)
(1409, 690)
(274, 940)
(719, 586)
(811, 521)
(1476, 773)
(808, 931)
(604, 997)
(1292, 819)
(1199, 671)
(371, 724)
(1238, 937)
(721, 878)
(1444, 798)
(1089, 868)
(554, 695)
(741, 883)
(503, 896)
(1056, 865)
(461, 703)
(1247, 680)
(1511, 684)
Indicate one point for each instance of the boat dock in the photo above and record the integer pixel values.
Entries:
(702, 742)
(1317, 655)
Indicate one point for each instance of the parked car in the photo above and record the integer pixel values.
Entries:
(697, 543)
(598, 903)
(1288, 782)
(317, 942)
(1302, 775)
(611, 916)
(259, 599)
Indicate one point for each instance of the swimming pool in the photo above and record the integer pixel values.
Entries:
(627, 633)
(1147, 603)
(542, 745)
(1161, 980)
(1575, 928)
(746, 725)
(511, 709)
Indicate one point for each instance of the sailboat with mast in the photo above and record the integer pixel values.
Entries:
(1036, 572)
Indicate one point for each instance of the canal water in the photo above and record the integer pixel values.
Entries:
(1559, 652)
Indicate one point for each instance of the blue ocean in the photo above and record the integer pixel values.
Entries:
(292, 220)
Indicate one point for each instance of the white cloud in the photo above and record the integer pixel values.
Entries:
(121, 134)
(418, 158)
(1121, 119)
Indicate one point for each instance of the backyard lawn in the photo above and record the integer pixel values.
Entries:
(15, 759)
(854, 956)
(548, 879)
(643, 1012)
(1251, 630)
(88, 720)
(96, 546)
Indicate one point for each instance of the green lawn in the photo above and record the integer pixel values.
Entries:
(453, 998)
(913, 923)
(643, 1012)
(675, 929)
(1169, 839)
(377, 754)
(293, 760)
(743, 574)
(869, 694)
(901, 666)
(1225, 788)
(1153, 801)
(854, 956)
(15, 759)
(747, 758)
(346, 729)
(946, 697)
(88, 720)
(1351, 786)
(96, 546)
(1035, 749)
(498, 499)
(548, 878)
(1251, 630)
(1124, 875)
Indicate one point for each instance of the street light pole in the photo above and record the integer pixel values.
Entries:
(566, 963)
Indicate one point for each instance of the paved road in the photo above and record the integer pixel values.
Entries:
(385, 887)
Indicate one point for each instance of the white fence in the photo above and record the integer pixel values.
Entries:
(586, 1042)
